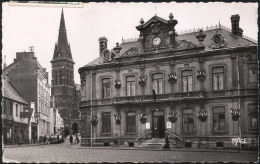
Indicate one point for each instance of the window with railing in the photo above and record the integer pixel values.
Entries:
(218, 78)
(186, 77)
(130, 86)
(187, 120)
(253, 116)
(158, 83)
(106, 88)
(106, 122)
(130, 122)
(219, 120)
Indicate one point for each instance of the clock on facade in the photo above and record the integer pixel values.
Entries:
(156, 41)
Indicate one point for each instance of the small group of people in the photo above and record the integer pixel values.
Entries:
(76, 141)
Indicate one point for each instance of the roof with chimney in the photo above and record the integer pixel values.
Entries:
(62, 49)
(9, 91)
(189, 39)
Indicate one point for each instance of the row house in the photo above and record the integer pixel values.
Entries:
(199, 87)
(56, 121)
(15, 126)
(31, 80)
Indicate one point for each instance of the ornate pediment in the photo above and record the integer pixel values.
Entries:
(132, 51)
(183, 44)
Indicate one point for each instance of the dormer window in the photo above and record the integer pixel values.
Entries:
(217, 39)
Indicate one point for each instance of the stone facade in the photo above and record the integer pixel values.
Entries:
(192, 87)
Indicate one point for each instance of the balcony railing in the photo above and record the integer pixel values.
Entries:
(145, 98)
(194, 95)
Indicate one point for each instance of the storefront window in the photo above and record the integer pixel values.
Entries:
(130, 122)
(219, 121)
(106, 122)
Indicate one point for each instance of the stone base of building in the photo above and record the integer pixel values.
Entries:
(192, 143)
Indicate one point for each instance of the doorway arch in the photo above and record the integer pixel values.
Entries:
(75, 128)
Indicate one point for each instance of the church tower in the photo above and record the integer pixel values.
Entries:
(63, 88)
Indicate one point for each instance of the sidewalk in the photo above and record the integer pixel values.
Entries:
(22, 145)
(149, 149)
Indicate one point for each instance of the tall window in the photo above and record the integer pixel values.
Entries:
(186, 80)
(187, 120)
(253, 116)
(218, 78)
(106, 122)
(158, 83)
(130, 122)
(68, 78)
(71, 78)
(60, 77)
(219, 121)
(130, 86)
(84, 121)
(16, 109)
(11, 108)
(56, 77)
(106, 88)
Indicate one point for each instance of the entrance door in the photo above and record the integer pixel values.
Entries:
(158, 130)
(75, 128)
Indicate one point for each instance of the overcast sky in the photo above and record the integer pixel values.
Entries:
(38, 26)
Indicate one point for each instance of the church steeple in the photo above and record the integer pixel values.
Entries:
(62, 48)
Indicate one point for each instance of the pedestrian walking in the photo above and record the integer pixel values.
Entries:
(44, 139)
(77, 139)
(167, 145)
(71, 139)
(58, 139)
(116, 141)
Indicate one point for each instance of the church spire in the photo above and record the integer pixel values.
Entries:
(62, 22)
(62, 49)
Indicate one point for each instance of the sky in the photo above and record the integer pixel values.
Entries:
(38, 26)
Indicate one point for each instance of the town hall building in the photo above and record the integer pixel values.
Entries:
(199, 88)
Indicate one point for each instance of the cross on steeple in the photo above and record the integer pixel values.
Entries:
(31, 48)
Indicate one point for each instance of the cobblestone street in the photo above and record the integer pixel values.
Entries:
(75, 153)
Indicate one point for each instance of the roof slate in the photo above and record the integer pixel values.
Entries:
(8, 91)
(230, 41)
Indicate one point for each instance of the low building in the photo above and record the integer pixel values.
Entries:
(198, 87)
(15, 124)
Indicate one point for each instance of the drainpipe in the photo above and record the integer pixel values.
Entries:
(238, 93)
(91, 112)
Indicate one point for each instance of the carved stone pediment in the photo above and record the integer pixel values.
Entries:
(131, 51)
(184, 44)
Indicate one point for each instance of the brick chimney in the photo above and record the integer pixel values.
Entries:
(102, 44)
(235, 25)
